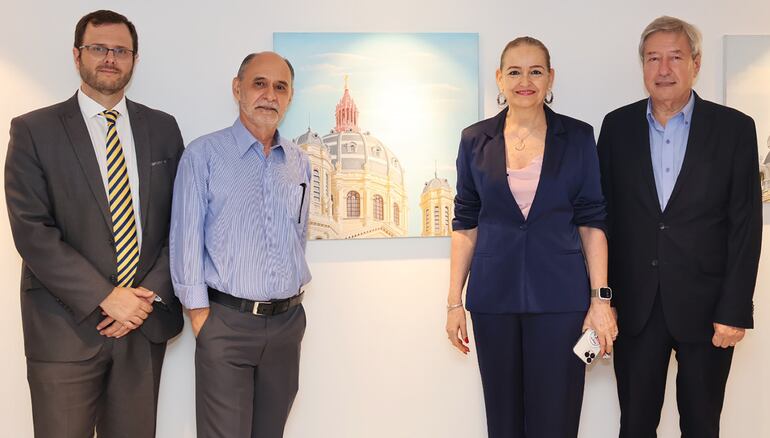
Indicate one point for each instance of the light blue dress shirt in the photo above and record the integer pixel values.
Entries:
(239, 219)
(667, 147)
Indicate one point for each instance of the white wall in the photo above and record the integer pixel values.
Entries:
(375, 359)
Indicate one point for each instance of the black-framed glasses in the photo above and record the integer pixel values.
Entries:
(120, 53)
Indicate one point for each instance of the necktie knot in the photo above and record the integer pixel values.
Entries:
(111, 116)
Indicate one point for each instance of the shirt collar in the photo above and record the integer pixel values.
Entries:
(244, 141)
(685, 112)
(91, 108)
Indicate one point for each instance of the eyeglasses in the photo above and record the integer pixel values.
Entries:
(120, 53)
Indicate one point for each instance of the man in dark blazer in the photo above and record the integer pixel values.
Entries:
(680, 177)
(88, 184)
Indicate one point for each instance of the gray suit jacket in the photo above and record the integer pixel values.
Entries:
(61, 225)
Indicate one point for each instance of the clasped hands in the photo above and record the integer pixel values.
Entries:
(125, 309)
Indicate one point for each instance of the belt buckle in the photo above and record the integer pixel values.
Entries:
(255, 309)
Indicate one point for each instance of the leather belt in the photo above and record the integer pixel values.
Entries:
(265, 308)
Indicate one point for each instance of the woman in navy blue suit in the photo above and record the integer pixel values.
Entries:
(529, 219)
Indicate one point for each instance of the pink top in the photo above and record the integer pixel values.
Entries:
(523, 183)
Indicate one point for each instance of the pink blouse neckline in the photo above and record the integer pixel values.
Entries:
(523, 183)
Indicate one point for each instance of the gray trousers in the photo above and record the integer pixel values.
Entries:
(114, 392)
(246, 372)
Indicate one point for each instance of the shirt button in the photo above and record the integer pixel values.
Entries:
(668, 141)
(654, 263)
(668, 169)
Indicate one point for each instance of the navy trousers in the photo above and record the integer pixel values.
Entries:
(533, 382)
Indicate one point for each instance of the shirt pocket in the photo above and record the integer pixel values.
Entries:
(291, 199)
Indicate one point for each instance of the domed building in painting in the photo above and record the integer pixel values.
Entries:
(357, 183)
(437, 206)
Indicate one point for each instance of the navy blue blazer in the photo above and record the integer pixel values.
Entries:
(532, 265)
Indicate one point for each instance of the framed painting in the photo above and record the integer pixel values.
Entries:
(380, 116)
(747, 88)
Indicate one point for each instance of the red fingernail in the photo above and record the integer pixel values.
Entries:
(466, 340)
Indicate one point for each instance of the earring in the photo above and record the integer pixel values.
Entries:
(501, 100)
(549, 97)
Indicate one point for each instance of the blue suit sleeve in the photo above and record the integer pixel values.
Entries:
(467, 200)
(589, 205)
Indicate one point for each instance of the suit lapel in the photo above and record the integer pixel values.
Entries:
(699, 132)
(640, 153)
(553, 152)
(495, 161)
(143, 156)
(80, 140)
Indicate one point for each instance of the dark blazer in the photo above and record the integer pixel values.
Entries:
(702, 251)
(537, 264)
(59, 217)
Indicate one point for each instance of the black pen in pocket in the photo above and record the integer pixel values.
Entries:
(301, 202)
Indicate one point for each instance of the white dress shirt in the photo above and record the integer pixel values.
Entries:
(97, 129)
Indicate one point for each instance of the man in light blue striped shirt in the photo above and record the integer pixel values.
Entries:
(237, 248)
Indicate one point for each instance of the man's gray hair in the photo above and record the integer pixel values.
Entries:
(251, 56)
(675, 25)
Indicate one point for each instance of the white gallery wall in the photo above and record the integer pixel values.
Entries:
(375, 361)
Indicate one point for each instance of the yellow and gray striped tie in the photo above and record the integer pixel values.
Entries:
(121, 205)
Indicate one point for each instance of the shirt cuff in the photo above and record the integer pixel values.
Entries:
(192, 296)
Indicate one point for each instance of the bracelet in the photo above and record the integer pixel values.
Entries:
(453, 306)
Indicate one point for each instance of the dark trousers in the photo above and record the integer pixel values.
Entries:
(641, 366)
(533, 382)
(114, 392)
(246, 372)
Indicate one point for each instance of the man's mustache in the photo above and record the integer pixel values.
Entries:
(108, 68)
(267, 105)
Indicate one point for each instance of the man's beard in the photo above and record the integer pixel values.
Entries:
(106, 87)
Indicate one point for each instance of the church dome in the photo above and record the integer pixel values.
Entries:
(309, 137)
(436, 183)
(352, 150)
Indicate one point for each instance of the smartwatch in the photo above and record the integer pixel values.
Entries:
(603, 293)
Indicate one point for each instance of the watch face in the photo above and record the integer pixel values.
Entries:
(605, 293)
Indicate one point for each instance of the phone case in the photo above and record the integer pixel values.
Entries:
(587, 348)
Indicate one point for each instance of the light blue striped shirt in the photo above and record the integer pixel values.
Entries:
(667, 147)
(239, 219)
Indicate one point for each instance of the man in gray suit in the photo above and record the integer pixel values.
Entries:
(88, 184)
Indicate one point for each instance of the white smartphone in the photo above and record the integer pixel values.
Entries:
(587, 348)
